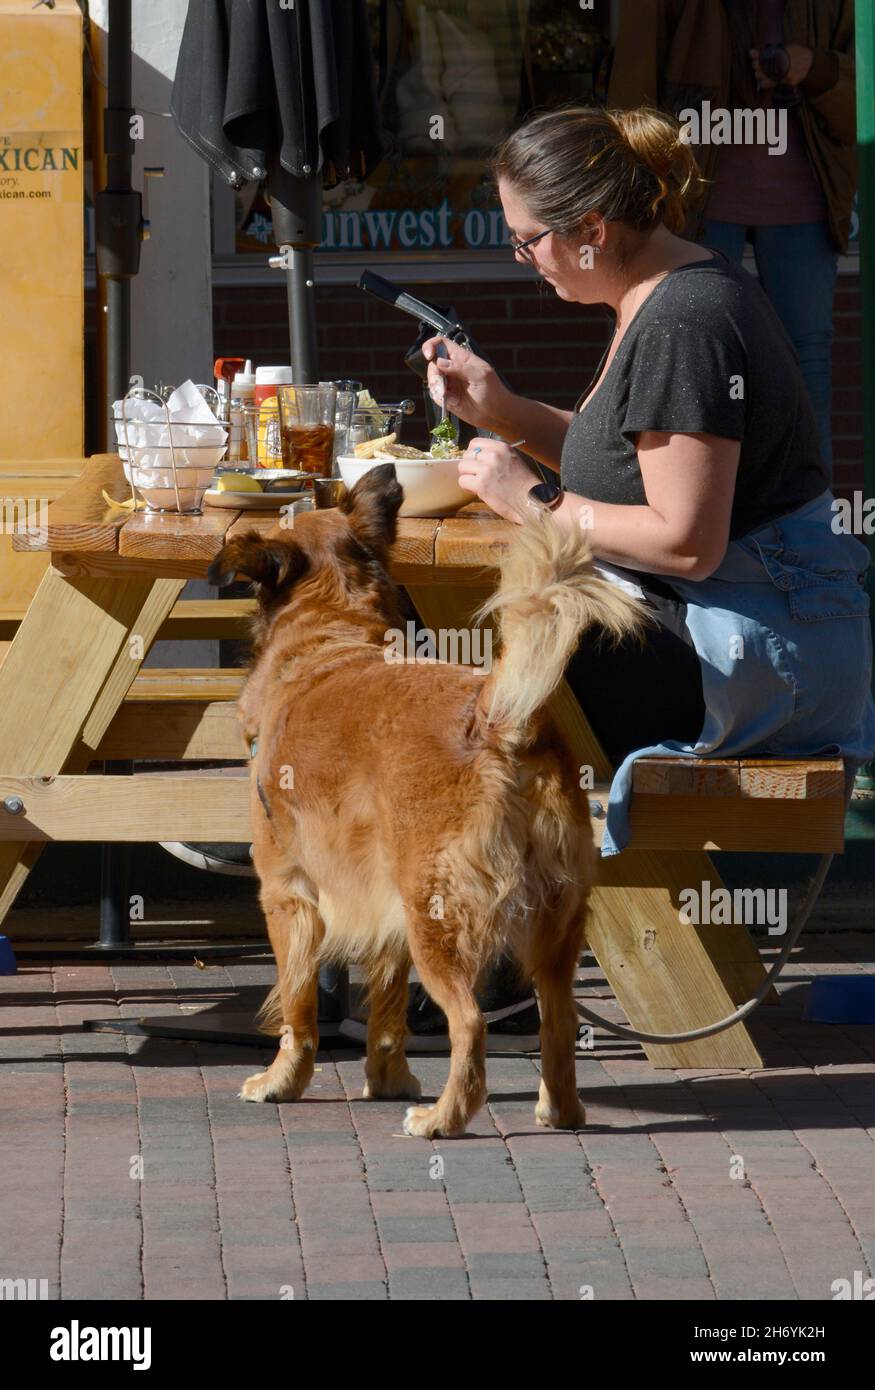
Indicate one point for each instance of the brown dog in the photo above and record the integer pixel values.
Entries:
(421, 810)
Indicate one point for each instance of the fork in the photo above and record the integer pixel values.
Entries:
(441, 351)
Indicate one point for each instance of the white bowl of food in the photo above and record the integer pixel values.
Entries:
(430, 485)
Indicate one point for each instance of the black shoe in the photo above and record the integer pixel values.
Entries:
(512, 1028)
(216, 858)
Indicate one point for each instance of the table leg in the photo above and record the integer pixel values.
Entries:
(668, 976)
(79, 647)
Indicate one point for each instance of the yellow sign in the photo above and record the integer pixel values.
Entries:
(42, 160)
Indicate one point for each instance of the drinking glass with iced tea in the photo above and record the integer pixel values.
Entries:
(307, 427)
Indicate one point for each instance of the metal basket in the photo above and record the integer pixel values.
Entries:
(165, 463)
(364, 427)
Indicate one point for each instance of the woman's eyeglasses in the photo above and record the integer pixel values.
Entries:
(521, 247)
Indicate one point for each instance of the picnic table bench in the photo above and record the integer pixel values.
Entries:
(73, 693)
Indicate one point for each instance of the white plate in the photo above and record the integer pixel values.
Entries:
(251, 501)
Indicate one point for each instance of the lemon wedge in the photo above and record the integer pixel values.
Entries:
(238, 482)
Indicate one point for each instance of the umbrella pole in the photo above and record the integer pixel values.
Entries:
(296, 206)
(118, 210)
(300, 289)
(119, 225)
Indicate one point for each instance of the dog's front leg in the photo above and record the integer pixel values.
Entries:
(295, 929)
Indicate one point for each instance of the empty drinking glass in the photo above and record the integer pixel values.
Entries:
(346, 402)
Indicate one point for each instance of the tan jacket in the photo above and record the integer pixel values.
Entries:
(675, 54)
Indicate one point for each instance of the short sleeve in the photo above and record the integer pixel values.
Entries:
(685, 379)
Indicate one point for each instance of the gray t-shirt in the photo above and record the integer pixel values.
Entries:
(704, 354)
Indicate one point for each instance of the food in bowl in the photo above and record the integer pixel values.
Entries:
(446, 440)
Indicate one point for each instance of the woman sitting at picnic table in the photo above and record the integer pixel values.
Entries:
(692, 461)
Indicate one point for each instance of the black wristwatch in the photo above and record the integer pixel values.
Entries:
(545, 497)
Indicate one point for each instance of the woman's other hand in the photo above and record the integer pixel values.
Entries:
(473, 390)
(498, 476)
(801, 59)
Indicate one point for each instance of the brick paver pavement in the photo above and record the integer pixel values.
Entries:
(130, 1169)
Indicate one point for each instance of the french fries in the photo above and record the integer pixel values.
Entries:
(385, 450)
(369, 448)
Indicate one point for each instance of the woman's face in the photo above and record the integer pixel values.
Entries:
(569, 264)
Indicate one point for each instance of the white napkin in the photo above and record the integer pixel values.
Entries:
(192, 420)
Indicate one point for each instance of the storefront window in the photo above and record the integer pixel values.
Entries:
(454, 77)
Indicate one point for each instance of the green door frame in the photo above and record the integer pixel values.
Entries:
(865, 53)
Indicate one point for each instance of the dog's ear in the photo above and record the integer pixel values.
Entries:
(271, 563)
(372, 507)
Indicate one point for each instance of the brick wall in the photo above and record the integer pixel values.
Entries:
(546, 348)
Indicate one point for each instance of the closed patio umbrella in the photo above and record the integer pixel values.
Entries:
(285, 91)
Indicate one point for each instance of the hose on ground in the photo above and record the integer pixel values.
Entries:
(743, 1010)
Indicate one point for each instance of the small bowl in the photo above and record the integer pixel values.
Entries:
(328, 492)
(156, 487)
(431, 486)
(272, 479)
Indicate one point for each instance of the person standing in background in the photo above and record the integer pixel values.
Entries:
(794, 207)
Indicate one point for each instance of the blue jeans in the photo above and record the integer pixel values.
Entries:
(797, 266)
(782, 633)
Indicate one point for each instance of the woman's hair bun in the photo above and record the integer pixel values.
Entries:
(656, 141)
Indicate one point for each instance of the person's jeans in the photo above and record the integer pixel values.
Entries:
(797, 266)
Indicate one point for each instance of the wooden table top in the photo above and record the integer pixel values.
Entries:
(87, 536)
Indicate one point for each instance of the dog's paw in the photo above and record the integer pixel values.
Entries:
(551, 1117)
(258, 1087)
(264, 1086)
(422, 1122)
(405, 1088)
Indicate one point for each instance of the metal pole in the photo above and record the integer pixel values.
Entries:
(115, 917)
(302, 315)
(118, 349)
(865, 50)
(296, 208)
(119, 224)
(119, 208)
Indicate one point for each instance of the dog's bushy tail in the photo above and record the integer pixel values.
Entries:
(548, 594)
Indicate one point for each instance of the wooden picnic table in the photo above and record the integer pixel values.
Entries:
(114, 578)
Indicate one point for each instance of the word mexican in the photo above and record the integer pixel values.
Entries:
(75, 1343)
(741, 126)
(36, 159)
(465, 647)
(755, 907)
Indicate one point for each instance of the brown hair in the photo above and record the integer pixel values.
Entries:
(630, 166)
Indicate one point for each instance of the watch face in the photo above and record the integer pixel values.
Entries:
(545, 493)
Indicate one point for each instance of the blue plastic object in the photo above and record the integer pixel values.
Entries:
(841, 999)
(7, 957)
